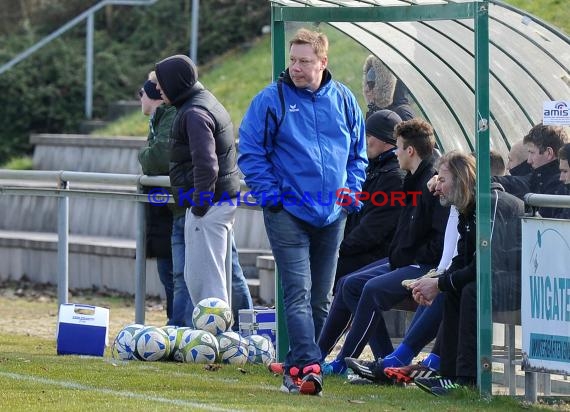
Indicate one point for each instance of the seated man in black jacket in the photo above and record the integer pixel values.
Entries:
(368, 233)
(543, 143)
(457, 337)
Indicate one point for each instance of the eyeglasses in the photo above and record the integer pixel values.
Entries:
(141, 92)
(302, 62)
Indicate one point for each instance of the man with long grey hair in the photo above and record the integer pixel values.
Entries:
(457, 336)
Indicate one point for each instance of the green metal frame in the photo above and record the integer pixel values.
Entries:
(479, 11)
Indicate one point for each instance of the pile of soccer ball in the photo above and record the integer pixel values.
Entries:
(210, 341)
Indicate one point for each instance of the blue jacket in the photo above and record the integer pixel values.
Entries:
(301, 158)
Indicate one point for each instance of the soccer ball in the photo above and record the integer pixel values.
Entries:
(124, 344)
(172, 332)
(198, 346)
(234, 349)
(212, 315)
(175, 352)
(261, 350)
(152, 344)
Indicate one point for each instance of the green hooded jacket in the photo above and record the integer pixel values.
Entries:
(155, 157)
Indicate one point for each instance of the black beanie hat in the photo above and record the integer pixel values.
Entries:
(381, 125)
(150, 90)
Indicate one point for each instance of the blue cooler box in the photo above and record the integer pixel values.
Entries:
(258, 321)
(82, 330)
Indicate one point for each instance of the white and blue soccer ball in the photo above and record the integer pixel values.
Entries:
(124, 344)
(152, 344)
(212, 315)
(261, 350)
(172, 332)
(180, 340)
(234, 349)
(198, 346)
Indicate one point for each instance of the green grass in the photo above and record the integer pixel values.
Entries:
(32, 377)
(135, 124)
(555, 12)
(18, 163)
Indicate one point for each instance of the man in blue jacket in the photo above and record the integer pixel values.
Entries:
(302, 142)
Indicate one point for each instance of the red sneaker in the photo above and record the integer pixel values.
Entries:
(276, 368)
(407, 374)
(312, 381)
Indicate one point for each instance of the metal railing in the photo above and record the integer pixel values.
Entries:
(540, 200)
(86, 15)
(9, 180)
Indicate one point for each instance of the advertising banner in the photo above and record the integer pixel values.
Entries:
(545, 304)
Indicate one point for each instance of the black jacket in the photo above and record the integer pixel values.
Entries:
(521, 169)
(543, 180)
(400, 103)
(203, 152)
(506, 211)
(421, 227)
(368, 233)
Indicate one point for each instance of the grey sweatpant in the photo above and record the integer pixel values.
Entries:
(206, 241)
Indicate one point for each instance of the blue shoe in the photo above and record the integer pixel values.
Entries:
(336, 367)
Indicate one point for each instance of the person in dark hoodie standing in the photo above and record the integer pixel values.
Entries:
(368, 233)
(301, 141)
(203, 174)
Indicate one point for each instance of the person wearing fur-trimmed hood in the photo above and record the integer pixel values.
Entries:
(382, 90)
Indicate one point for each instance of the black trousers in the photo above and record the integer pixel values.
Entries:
(458, 334)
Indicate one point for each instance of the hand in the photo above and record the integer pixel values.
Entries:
(425, 290)
(431, 184)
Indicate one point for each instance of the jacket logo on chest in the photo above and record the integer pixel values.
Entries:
(293, 108)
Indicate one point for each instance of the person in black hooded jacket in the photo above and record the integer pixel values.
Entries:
(203, 174)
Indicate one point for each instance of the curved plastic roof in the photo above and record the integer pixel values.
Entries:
(529, 63)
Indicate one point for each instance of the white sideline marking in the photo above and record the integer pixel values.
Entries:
(124, 394)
